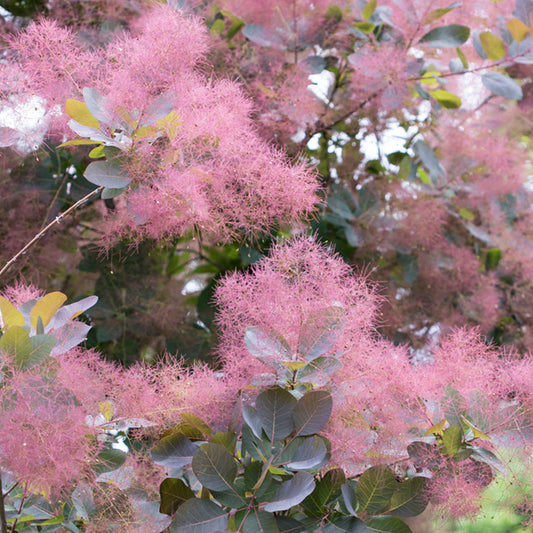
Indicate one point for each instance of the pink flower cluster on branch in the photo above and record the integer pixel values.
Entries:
(205, 169)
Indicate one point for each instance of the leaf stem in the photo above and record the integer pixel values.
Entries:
(57, 220)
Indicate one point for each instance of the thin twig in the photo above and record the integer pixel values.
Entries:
(56, 195)
(45, 230)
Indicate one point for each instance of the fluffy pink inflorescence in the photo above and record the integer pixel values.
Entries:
(297, 284)
(382, 401)
(44, 440)
(209, 171)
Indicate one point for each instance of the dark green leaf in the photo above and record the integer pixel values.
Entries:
(234, 498)
(409, 498)
(291, 492)
(375, 488)
(173, 492)
(493, 258)
(107, 193)
(269, 349)
(326, 489)
(502, 85)
(214, 467)
(345, 524)
(320, 332)
(261, 36)
(486, 456)
(318, 371)
(256, 447)
(312, 412)
(286, 524)
(108, 460)
(199, 516)
(251, 417)
(348, 497)
(409, 266)
(423, 454)
(447, 36)
(106, 174)
(259, 522)
(309, 455)
(228, 440)
(340, 207)
(147, 518)
(193, 427)
(454, 406)
(173, 451)
(275, 410)
(430, 161)
(387, 524)
(98, 107)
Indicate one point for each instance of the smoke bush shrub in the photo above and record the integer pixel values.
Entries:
(307, 419)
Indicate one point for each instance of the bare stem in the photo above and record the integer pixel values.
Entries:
(46, 229)
(3, 520)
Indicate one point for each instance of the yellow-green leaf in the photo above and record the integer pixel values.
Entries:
(430, 77)
(16, 342)
(79, 142)
(171, 124)
(446, 99)
(466, 213)
(365, 27)
(492, 46)
(107, 410)
(422, 174)
(369, 9)
(97, 152)
(47, 307)
(80, 113)
(517, 29)
(437, 429)
(278, 471)
(478, 434)
(145, 132)
(462, 57)
(294, 365)
(11, 316)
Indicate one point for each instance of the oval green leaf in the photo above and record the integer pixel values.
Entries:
(291, 492)
(173, 451)
(447, 36)
(502, 85)
(199, 516)
(106, 174)
(375, 488)
(275, 411)
(173, 493)
(215, 467)
(312, 412)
